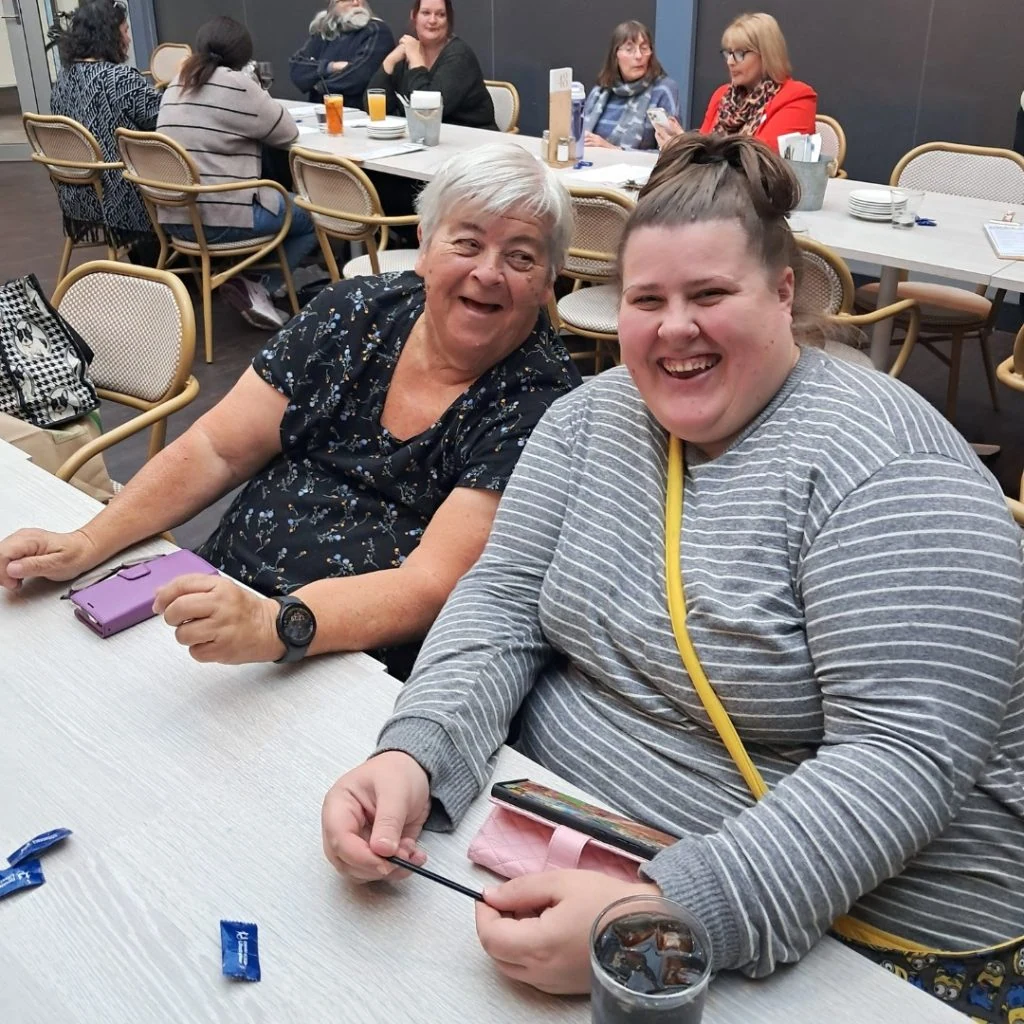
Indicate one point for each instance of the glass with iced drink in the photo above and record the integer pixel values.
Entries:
(649, 963)
(334, 108)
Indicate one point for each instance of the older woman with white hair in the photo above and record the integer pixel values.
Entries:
(345, 47)
(373, 436)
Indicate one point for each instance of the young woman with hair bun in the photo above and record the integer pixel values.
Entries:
(850, 582)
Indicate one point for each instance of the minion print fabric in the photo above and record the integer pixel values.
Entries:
(987, 987)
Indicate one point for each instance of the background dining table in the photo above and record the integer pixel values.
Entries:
(955, 249)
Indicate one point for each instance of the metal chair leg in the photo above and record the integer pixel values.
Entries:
(157, 438)
(329, 257)
(990, 373)
(65, 259)
(955, 352)
(289, 285)
(207, 307)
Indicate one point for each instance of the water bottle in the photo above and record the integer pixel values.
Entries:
(579, 99)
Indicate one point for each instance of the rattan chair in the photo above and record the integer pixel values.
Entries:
(833, 143)
(1011, 373)
(825, 287)
(591, 309)
(344, 204)
(950, 313)
(71, 156)
(167, 178)
(141, 328)
(165, 60)
(505, 97)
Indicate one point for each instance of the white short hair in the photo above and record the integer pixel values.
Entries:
(498, 179)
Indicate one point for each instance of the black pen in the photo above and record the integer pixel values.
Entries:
(416, 869)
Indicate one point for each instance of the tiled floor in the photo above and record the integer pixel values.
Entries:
(30, 240)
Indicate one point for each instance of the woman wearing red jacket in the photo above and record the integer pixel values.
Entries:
(761, 98)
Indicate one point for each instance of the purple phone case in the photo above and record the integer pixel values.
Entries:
(126, 598)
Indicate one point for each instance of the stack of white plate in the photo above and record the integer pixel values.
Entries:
(871, 203)
(389, 128)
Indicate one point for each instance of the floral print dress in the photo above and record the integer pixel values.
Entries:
(346, 497)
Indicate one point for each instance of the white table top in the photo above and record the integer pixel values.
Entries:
(956, 247)
(424, 164)
(194, 794)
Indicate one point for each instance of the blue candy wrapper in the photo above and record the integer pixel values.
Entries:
(239, 950)
(36, 846)
(22, 876)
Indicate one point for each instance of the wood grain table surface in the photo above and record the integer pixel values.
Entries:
(194, 793)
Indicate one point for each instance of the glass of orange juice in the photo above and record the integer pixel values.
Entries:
(377, 104)
(334, 107)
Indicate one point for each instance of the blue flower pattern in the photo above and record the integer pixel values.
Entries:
(346, 497)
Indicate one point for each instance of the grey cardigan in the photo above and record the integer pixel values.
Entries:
(222, 125)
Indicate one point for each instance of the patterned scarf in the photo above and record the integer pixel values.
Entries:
(741, 111)
(629, 131)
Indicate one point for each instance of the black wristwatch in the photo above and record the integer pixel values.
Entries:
(296, 627)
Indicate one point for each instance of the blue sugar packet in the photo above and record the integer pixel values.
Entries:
(22, 876)
(239, 950)
(34, 847)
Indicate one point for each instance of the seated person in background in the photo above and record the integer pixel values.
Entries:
(435, 59)
(96, 88)
(630, 83)
(345, 47)
(222, 117)
(761, 98)
(373, 435)
(853, 588)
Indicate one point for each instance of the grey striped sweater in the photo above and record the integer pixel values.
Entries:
(223, 125)
(854, 591)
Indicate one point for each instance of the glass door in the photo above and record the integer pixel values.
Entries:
(24, 74)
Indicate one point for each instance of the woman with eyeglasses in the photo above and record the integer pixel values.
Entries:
(762, 99)
(631, 83)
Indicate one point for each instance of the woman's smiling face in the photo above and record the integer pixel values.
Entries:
(704, 329)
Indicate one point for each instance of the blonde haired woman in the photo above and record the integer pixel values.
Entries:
(762, 99)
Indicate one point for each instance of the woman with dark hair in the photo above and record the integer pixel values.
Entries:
(631, 83)
(758, 598)
(96, 88)
(222, 117)
(434, 58)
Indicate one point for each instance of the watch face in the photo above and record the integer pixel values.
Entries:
(297, 625)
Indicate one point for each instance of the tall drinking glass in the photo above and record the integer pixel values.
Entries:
(334, 107)
(650, 963)
(377, 104)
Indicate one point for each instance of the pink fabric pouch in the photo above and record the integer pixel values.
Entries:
(514, 842)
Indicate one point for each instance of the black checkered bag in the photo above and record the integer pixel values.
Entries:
(43, 360)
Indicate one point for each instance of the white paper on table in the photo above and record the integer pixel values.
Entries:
(305, 110)
(1007, 239)
(308, 129)
(379, 152)
(615, 175)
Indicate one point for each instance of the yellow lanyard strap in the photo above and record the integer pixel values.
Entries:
(847, 927)
(677, 612)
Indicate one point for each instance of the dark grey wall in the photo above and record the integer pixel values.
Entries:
(894, 74)
(515, 40)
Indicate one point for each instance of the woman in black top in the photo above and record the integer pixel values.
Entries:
(96, 88)
(436, 60)
(373, 435)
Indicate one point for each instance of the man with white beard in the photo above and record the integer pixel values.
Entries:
(346, 45)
